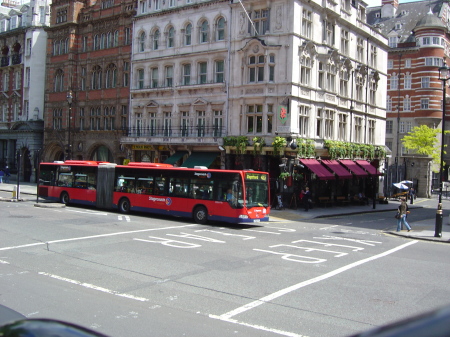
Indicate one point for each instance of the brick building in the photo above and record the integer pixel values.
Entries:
(419, 41)
(89, 54)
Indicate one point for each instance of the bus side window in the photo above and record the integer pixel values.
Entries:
(160, 183)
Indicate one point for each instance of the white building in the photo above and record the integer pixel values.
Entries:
(203, 70)
(23, 42)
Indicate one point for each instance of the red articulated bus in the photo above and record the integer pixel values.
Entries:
(202, 194)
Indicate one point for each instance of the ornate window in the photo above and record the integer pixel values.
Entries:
(204, 32)
(220, 29)
(142, 38)
(186, 74)
(96, 78)
(156, 39)
(59, 81)
(111, 76)
(171, 38)
(188, 35)
(256, 66)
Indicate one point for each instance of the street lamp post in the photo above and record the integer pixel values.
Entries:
(69, 146)
(444, 76)
(377, 180)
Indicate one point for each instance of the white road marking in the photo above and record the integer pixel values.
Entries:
(94, 237)
(363, 242)
(87, 212)
(297, 286)
(4, 262)
(258, 327)
(94, 287)
(254, 230)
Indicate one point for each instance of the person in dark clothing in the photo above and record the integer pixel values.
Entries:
(307, 199)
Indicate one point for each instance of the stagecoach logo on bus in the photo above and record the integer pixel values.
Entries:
(203, 174)
(157, 199)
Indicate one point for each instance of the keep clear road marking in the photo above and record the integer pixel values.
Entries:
(126, 217)
(94, 237)
(267, 299)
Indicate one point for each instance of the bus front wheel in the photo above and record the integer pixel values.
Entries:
(124, 205)
(200, 215)
(64, 198)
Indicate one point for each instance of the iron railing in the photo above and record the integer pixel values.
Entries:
(182, 132)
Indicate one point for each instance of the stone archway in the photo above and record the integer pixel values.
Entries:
(53, 152)
(102, 153)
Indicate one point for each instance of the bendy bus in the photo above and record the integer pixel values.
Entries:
(233, 196)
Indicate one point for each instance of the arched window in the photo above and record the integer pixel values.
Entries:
(103, 41)
(96, 42)
(142, 42)
(64, 46)
(56, 48)
(103, 154)
(109, 40)
(111, 76)
(220, 29)
(96, 79)
(188, 35)
(204, 32)
(170, 37)
(116, 39)
(59, 80)
(156, 40)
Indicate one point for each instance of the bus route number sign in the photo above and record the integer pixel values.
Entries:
(255, 177)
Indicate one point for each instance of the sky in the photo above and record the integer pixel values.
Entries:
(372, 3)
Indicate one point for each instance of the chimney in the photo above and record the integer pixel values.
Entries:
(10, 3)
(394, 3)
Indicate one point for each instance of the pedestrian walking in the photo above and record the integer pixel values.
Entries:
(7, 174)
(402, 211)
(307, 199)
(2, 174)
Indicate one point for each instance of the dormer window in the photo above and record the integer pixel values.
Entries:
(3, 25)
(398, 26)
(377, 15)
(13, 22)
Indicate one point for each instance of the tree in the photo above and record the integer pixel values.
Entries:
(424, 140)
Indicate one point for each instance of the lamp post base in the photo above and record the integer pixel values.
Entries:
(439, 220)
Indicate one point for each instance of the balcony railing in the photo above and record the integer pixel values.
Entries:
(4, 61)
(181, 132)
(16, 58)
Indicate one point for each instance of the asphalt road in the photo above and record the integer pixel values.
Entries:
(138, 275)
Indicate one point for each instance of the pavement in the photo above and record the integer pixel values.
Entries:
(422, 230)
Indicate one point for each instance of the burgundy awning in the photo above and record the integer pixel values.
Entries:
(368, 167)
(352, 166)
(337, 168)
(320, 170)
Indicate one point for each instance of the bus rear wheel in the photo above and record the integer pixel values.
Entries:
(64, 198)
(124, 205)
(200, 215)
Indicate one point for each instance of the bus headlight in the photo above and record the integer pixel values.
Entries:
(243, 216)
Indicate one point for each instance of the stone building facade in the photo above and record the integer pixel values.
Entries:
(203, 70)
(22, 72)
(418, 44)
(89, 55)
